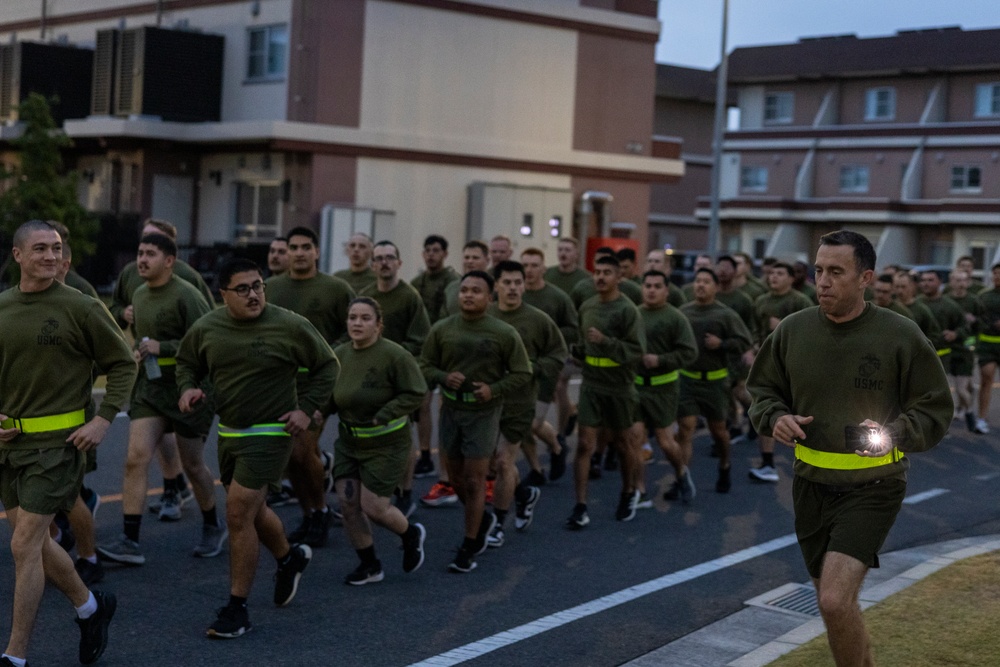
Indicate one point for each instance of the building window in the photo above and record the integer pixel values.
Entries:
(258, 211)
(880, 104)
(966, 178)
(267, 53)
(854, 178)
(753, 179)
(987, 100)
(779, 108)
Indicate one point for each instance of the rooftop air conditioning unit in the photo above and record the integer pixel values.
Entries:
(59, 72)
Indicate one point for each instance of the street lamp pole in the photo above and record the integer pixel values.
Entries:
(720, 120)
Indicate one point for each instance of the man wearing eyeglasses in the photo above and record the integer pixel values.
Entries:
(323, 300)
(242, 349)
(405, 322)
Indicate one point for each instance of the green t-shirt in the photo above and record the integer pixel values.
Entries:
(321, 299)
(556, 304)
(611, 367)
(669, 336)
(810, 291)
(404, 318)
(877, 366)
(989, 302)
(129, 281)
(165, 314)
(431, 288)
(50, 342)
(78, 282)
(719, 320)
(358, 281)
(754, 287)
(777, 305)
(545, 347)
(676, 296)
(381, 383)
(254, 365)
(950, 317)
(741, 303)
(565, 281)
(483, 349)
(926, 321)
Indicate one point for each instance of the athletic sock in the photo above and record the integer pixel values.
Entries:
(367, 555)
(210, 517)
(410, 532)
(767, 458)
(521, 492)
(425, 455)
(170, 484)
(17, 662)
(501, 515)
(87, 609)
(469, 544)
(181, 482)
(131, 526)
(237, 601)
(90, 559)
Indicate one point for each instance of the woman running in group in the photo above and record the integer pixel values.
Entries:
(378, 387)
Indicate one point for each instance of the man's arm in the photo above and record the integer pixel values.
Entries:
(112, 356)
(685, 348)
(926, 398)
(769, 388)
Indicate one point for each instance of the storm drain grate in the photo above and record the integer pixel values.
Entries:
(791, 598)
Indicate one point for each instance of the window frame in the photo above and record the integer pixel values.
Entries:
(254, 230)
(963, 171)
(778, 96)
(852, 173)
(872, 104)
(757, 184)
(266, 75)
(992, 93)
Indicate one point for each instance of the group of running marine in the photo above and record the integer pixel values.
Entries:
(499, 343)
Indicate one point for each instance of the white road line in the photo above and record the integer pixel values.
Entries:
(987, 477)
(926, 495)
(506, 638)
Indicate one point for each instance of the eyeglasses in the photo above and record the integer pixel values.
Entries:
(244, 290)
(384, 259)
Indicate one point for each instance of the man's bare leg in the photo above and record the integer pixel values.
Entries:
(837, 592)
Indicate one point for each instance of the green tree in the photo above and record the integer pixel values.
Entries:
(39, 188)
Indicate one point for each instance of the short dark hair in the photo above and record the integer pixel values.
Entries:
(22, 232)
(282, 239)
(783, 265)
(930, 271)
(368, 301)
(436, 238)
(303, 231)
(625, 254)
(482, 275)
(710, 272)
(864, 253)
(508, 266)
(164, 243)
(605, 250)
(885, 278)
(479, 245)
(233, 266)
(769, 261)
(164, 226)
(995, 266)
(726, 258)
(653, 273)
(607, 259)
(382, 244)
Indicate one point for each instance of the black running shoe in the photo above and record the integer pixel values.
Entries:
(486, 525)
(557, 462)
(286, 579)
(525, 511)
(465, 561)
(413, 549)
(298, 534)
(90, 573)
(674, 492)
(626, 505)
(319, 529)
(424, 467)
(722, 485)
(233, 621)
(365, 573)
(535, 478)
(94, 630)
(579, 518)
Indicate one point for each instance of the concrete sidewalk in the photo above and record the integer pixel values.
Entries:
(762, 632)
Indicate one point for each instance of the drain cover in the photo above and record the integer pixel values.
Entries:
(798, 599)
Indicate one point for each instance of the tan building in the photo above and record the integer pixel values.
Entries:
(896, 137)
(399, 118)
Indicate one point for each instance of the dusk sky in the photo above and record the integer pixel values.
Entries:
(691, 28)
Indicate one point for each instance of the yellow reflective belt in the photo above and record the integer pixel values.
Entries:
(601, 362)
(453, 396)
(276, 429)
(166, 361)
(943, 352)
(836, 461)
(375, 431)
(656, 380)
(989, 339)
(303, 369)
(49, 423)
(706, 375)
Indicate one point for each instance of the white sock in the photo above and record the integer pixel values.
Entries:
(91, 559)
(87, 609)
(18, 662)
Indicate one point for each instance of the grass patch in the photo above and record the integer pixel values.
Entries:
(949, 618)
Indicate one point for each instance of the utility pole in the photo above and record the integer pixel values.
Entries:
(720, 128)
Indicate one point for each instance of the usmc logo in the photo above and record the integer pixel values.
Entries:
(47, 336)
(870, 365)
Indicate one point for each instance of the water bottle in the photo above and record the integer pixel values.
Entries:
(153, 371)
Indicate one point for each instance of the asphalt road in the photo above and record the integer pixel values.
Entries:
(601, 596)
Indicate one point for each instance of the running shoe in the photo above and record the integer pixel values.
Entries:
(424, 467)
(123, 550)
(535, 478)
(970, 421)
(557, 462)
(91, 499)
(764, 474)
(464, 562)
(327, 459)
(687, 488)
(982, 428)
(413, 549)
(232, 621)
(90, 573)
(525, 512)
(579, 518)
(365, 573)
(280, 498)
(674, 492)
(170, 506)
(286, 578)
(185, 496)
(644, 502)
(94, 630)
(212, 540)
(299, 533)
(442, 493)
(319, 528)
(486, 526)
(404, 503)
(723, 484)
(627, 505)
(495, 539)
